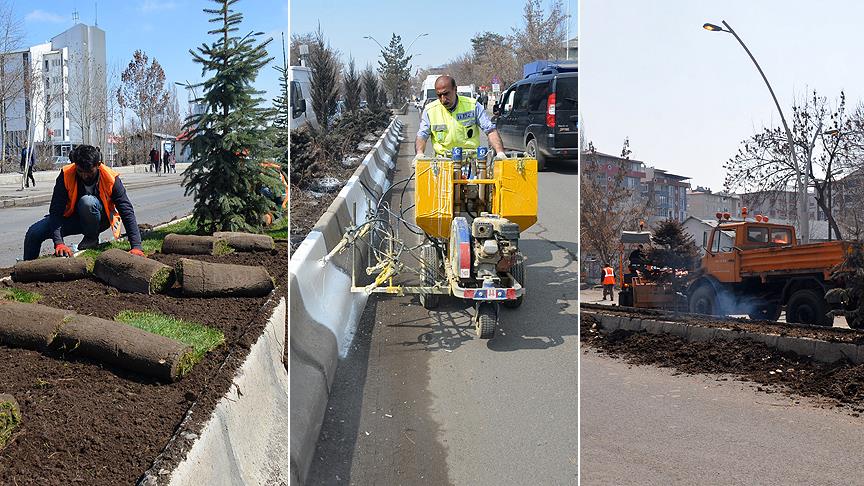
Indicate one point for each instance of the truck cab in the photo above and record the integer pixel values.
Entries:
(727, 240)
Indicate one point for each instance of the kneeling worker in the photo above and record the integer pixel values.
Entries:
(88, 199)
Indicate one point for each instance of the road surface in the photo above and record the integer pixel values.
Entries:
(421, 400)
(153, 205)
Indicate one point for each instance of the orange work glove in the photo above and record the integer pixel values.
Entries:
(61, 250)
(137, 252)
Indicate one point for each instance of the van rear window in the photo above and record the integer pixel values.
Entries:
(567, 93)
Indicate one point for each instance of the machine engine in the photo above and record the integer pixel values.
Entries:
(495, 241)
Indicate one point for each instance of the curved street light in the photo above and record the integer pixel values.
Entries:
(373, 39)
(415, 40)
(803, 220)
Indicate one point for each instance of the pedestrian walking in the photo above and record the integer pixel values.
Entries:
(173, 161)
(165, 158)
(154, 159)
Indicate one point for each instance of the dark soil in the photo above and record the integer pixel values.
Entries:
(841, 383)
(87, 423)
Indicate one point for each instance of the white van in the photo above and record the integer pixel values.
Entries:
(468, 91)
(301, 98)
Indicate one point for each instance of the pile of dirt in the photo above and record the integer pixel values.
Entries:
(772, 370)
(92, 424)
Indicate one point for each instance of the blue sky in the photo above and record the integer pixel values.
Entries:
(687, 97)
(164, 29)
(346, 22)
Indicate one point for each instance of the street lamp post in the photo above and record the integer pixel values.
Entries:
(801, 182)
(373, 39)
(415, 40)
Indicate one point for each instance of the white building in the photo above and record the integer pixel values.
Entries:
(704, 204)
(62, 91)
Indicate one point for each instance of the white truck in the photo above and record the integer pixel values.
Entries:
(469, 91)
(301, 98)
(427, 90)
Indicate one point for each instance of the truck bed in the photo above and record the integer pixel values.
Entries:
(819, 257)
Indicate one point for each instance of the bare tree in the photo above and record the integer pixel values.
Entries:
(144, 90)
(822, 139)
(607, 207)
(542, 35)
(88, 97)
(43, 99)
(11, 69)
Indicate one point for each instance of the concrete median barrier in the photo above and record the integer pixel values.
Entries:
(816, 349)
(324, 311)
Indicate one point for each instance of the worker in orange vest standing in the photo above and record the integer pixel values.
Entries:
(608, 281)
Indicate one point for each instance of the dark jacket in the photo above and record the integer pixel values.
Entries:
(118, 196)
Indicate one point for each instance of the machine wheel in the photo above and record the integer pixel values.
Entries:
(532, 151)
(518, 272)
(704, 301)
(766, 312)
(429, 267)
(486, 320)
(625, 297)
(808, 307)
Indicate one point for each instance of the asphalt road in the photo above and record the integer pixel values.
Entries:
(153, 205)
(421, 400)
(643, 425)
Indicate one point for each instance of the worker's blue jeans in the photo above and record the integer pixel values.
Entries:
(88, 219)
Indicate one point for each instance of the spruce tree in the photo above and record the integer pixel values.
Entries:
(351, 87)
(228, 140)
(672, 247)
(370, 88)
(282, 109)
(394, 69)
(324, 65)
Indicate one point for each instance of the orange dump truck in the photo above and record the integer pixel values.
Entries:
(757, 268)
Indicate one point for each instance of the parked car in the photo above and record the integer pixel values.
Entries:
(538, 115)
(59, 161)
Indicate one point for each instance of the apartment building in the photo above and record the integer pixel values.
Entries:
(60, 92)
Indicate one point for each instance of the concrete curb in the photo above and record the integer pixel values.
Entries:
(324, 312)
(246, 439)
(818, 350)
(14, 178)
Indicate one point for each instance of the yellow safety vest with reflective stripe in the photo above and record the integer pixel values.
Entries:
(459, 128)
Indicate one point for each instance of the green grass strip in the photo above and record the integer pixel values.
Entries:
(10, 417)
(279, 229)
(20, 295)
(202, 338)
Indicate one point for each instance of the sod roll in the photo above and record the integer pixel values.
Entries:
(194, 245)
(130, 273)
(10, 417)
(246, 241)
(124, 346)
(203, 279)
(51, 269)
(29, 326)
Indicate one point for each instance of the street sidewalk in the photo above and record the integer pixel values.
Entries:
(11, 194)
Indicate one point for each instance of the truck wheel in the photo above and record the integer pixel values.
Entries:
(625, 297)
(704, 301)
(808, 307)
(766, 312)
(533, 151)
(487, 318)
(518, 272)
(429, 267)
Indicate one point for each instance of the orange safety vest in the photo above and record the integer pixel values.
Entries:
(608, 276)
(106, 187)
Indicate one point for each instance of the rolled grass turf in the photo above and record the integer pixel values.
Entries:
(246, 241)
(51, 269)
(41, 328)
(10, 417)
(194, 245)
(29, 326)
(130, 273)
(204, 279)
(124, 346)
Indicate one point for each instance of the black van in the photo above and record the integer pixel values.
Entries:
(538, 115)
